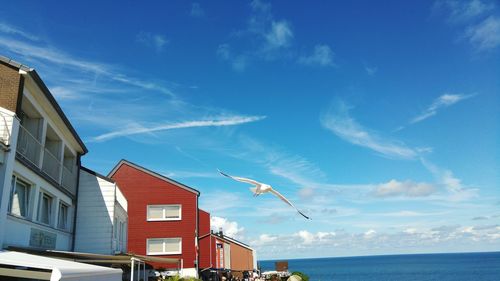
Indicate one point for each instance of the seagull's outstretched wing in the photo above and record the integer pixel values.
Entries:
(288, 202)
(250, 181)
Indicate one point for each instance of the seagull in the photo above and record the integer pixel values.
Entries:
(261, 188)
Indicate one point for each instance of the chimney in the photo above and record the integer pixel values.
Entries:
(221, 234)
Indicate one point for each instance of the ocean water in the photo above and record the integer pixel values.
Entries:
(422, 267)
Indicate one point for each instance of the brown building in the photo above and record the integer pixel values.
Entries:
(219, 252)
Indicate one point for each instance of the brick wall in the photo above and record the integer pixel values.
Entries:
(9, 86)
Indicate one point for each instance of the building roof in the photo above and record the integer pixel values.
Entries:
(152, 173)
(33, 74)
(58, 269)
(92, 172)
(224, 237)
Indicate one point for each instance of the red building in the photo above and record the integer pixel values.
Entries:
(219, 252)
(162, 216)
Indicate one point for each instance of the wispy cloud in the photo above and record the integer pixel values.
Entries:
(157, 41)
(322, 56)
(238, 62)
(477, 19)
(371, 70)
(280, 35)
(463, 11)
(484, 36)
(215, 122)
(338, 121)
(443, 101)
(456, 190)
(266, 38)
(405, 188)
(196, 10)
(9, 29)
(44, 53)
(191, 174)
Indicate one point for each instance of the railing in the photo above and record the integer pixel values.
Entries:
(29, 146)
(5, 120)
(69, 179)
(51, 165)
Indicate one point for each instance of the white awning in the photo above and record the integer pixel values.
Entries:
(53, 269)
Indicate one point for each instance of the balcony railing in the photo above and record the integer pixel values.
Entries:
(51, 165)
(28, 146)
(69, 179)
(5, 127)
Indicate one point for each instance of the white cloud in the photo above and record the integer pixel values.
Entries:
(371, 70)
(230, 228)
(406, 188)
(215, 122)
(441, 102)
(258, 5)
(463, 11)
(484, 36)
(196, 10)
(238, 62)
(156, 41)
(409, 239)
(307, 237)
(280, 35)
(338, 121)
(9, 29)
(190, 174)
(48, 54)
(322, 55)
(457, 191)
(370, 234)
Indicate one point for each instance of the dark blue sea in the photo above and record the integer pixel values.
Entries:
(435, 267)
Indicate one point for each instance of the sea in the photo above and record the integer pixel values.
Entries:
(418, 267)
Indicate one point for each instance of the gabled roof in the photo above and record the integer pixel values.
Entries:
(152, 173)
(92, 172)
(48, 95)
(230, 239)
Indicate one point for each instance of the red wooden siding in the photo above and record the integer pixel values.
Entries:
(204, 242)
(142, 189)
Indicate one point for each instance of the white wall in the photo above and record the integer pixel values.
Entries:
(99, 203)
(18, 232)
(7, 167)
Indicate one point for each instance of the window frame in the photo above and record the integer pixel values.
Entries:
(164, 218)
(41, 196)
(29, 188)
(66, 221)
(163, 253)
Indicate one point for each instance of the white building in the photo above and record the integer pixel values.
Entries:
(101, 215)
(39, 167)
(39, 170)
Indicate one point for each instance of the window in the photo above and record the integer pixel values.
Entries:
(62, 219)
(164, 246)
(164, 212)
(19, 198)
(44, 208)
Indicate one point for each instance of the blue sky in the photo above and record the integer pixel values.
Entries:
(381, 122)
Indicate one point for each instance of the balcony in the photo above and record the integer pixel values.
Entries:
(51, 165)
(69, 179)
(61, 172)
(29, 146)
